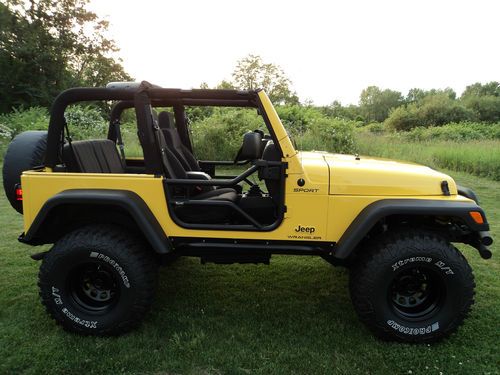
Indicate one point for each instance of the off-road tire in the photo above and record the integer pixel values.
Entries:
(390, 269)
(25, 152)
(98, 280)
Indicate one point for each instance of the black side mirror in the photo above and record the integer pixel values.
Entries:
(252, 146)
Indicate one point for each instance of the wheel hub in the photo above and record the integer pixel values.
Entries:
(416, 292)
(93, 286)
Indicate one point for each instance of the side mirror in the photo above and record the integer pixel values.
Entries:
(252, 146)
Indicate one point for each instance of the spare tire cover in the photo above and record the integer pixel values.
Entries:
(25, 152)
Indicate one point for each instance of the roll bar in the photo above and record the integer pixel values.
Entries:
(128, 92)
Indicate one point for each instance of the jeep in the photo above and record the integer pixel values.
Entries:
(114, 219)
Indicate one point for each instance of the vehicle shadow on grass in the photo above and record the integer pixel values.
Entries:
(294, 301)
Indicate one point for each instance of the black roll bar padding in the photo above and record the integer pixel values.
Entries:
(145, 131)
(182, 126)
(67, 97)
(231, 205)
(202, 94)
(127, 92)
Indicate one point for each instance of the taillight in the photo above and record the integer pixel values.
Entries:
(19, 193)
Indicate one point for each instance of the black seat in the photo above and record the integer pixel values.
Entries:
(181, 152)
(92, 156)
(198, 213)
(271, 153)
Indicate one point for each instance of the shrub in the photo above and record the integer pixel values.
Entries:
(297, 119)
(219, 136)
(11, 124)
(325, 134)
(432, 110)
(86, 122)
(486, 108)
(465, 131)
(373, 128)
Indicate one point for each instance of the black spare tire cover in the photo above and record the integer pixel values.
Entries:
(25, 152)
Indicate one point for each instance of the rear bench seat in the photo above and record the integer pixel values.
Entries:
(93, 156)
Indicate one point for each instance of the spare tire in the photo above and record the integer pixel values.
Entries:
(25, 152)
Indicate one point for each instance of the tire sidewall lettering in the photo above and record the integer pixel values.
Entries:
(96, 254)
(425, 260)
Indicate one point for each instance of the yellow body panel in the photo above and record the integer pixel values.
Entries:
(370, 176)
(335, 189)
(41, 186)
(343, 209)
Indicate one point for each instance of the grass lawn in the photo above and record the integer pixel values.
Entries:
(294, 316)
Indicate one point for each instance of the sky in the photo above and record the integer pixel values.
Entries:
(330, 50)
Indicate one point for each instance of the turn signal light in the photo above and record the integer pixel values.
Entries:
(477, 217)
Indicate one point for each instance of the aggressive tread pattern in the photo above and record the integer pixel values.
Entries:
(137, 257)
(398, 245)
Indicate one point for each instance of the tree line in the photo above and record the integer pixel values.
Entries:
(478, 103)
(47, 46)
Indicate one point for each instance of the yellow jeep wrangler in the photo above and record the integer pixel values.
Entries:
(112, 220)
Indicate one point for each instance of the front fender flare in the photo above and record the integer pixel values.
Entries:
(378, 210)
(129, 201)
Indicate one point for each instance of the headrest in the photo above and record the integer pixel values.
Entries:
(166, 120)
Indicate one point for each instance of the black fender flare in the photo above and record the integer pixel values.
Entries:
(378, 210)
(127, 200)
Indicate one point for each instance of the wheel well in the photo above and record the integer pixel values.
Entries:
(452, 228)
(65, 218)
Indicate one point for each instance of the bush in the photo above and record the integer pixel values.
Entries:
(465, 131)
(219, 136)
(432, 110)
(86, 122)
(373, 128)
(486, 108)
(326, 134)
(11, 124)
(297, 119)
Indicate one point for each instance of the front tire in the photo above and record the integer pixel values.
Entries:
(98, 281)
(412, 286)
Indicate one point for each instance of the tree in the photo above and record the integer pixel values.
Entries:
(47, 46)
(478, 89)
(433, 110)
(375, 104)
(337, 110)
(414, 95)
(252, 73)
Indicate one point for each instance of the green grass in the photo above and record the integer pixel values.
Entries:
(294, 316)
(481, 158)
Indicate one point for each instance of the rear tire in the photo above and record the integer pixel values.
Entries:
(98, 281)
(412, 286)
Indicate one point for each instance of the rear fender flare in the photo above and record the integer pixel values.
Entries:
(129, 201)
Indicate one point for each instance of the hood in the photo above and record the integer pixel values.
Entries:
(373, 176)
